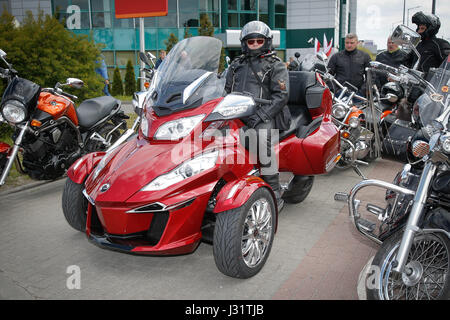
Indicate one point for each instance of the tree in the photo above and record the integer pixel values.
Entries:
(170, 42)
(130, 81)
(43, 51)
(187, 34)
(206, 28)
(117, 86)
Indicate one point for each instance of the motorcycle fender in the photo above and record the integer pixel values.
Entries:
(235, 193)
(81, 168)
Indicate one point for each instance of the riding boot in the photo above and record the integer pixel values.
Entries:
(274, 182)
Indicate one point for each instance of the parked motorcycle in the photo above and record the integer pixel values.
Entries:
(188, 176)
(50, 133)
(413, 229)
(359, 138)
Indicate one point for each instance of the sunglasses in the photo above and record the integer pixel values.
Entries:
(253, 41)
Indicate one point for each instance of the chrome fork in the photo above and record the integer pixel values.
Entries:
(13, 154)
(411, 227)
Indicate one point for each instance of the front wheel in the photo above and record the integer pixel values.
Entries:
(426, 275)
(243, 236)
(74, 205)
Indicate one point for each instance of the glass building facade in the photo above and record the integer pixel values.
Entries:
(120, 37)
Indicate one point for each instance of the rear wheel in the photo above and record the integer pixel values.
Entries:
(74, 205)
(243, 236)
(301, 186)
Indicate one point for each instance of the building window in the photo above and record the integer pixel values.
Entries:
(248, 5)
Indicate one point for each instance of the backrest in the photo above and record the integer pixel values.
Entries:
(299, 81)
(305, 91)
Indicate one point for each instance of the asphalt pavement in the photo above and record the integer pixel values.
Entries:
(316, 254)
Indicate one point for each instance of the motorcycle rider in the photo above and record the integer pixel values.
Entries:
(432, 50)
(260, 73)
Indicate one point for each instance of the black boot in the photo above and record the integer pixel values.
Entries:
(274, 182)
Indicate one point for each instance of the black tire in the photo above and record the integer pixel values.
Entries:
(94, 145)
(229, 237)
(74, 205)
(383, 260)
(301, 186)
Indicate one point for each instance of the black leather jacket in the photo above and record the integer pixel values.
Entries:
(433, 52)
(272, 73)
(393, 59)
(349, 66)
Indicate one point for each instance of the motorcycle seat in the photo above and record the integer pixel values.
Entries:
(91, 111)
(300, 116)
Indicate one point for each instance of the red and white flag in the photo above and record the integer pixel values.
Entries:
(316, 46)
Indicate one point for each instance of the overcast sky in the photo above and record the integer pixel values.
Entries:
(377, 18)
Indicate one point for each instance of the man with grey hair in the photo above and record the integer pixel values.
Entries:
(350, 64)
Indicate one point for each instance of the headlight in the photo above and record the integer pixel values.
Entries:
(186, 170)
(14, 111)
(353, 122)
(144, 126)
(445, 142)
(339, 111)
(234, 104)
(176, 129)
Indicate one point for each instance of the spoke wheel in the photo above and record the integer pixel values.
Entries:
(426, 270)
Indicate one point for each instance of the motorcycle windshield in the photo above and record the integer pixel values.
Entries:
(186, 62)
(432, 103)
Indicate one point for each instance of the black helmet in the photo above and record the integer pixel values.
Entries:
(430, 20)
(252, 30)
(393, 88)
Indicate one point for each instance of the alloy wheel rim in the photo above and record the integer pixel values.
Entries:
(257, 233)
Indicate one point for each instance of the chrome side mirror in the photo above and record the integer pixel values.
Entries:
(391, 97)
(2, 53)
(75, 83)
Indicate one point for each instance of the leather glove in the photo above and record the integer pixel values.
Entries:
(253, 121)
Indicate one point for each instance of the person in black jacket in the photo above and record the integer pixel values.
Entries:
(350, 64)
(260, 73)
(432, 50)
(392, 56)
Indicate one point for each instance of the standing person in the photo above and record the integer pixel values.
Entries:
(392, 56)
(432, 50)
(162, 56)
(350, 64)
(261, 73)
(103, 71)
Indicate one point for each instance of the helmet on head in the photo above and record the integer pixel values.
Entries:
(252, 30)
(430, 20)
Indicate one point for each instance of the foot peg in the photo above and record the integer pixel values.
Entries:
(366, 225)
(341, 196)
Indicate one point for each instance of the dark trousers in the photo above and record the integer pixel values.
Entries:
(260, 141)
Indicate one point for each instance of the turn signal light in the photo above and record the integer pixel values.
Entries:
(36, 123)
(345, 134)
(146, 85)
(420, 148)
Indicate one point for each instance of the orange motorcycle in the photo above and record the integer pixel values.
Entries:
(49, 132)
